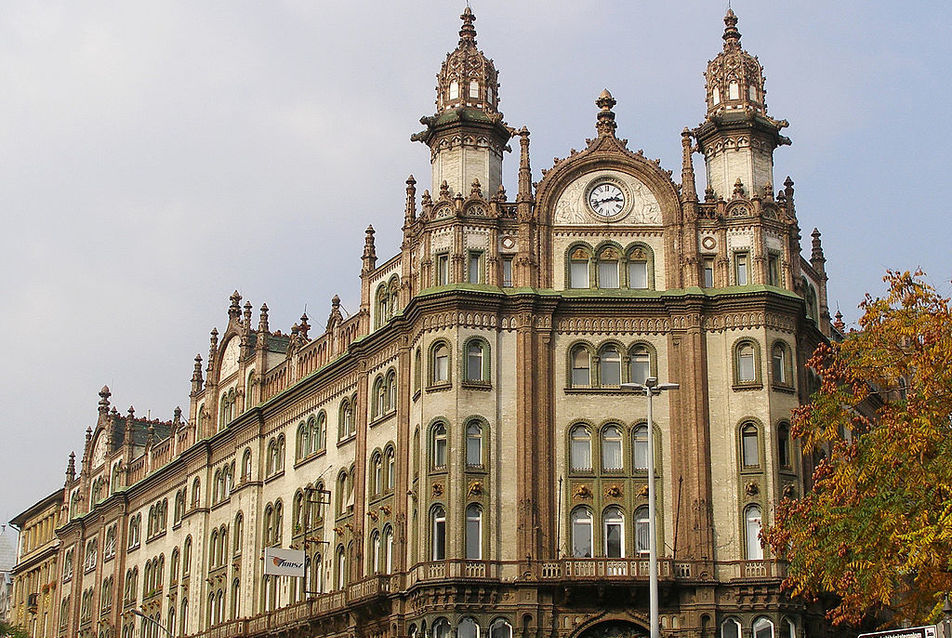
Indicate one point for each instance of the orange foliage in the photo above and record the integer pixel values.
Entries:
(875, 530)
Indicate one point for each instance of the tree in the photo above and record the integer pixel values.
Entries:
(875, 528)
(8, 630)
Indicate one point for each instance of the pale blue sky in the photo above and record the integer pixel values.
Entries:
(154, 156)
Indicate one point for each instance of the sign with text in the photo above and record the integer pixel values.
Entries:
(287, 562)
(927, 631)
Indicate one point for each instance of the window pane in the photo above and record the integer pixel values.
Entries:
(474, 521)
(442, 270)
(581, 375)
(751, 448)
(474, 445)
(611, 449)
(745, 364)
(708, 274)
(640, 448)
(474, 268)
(754, 550)
(581, 534)
(783, 446)
(608, 274)
(439, 535)
(637, 274)
(581, 449)
(441, 364)
(741, 269)
(614, 534)
(610, 368)
(467, 629)
(779, 371)
(507, 272)
(642, 530)
(578, 274)
(639, 366)
(763, 628)
(474, 362)
(729, 629)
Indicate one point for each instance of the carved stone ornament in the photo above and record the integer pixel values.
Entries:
(582, 491)
(613, 491)
(751, 489)
(386, 510)
(437, 489)
(789, 490)
(475, 488)
(643, 492)
(641, 205)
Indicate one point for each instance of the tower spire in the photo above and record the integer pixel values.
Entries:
(731, 34)
(467, 33)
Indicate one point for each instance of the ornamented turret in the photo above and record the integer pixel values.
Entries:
(737, 137)
(466, 136)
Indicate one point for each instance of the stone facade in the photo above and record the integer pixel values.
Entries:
(36, 579)
(460, 455)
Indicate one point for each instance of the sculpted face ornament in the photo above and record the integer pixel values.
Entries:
(606, 199)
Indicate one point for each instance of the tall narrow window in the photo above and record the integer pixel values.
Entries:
(474, 267)
(507, 272)
(609, 368)
(614, 533)
(787, 629)
(783, 446)
(379, 398)
(417, 370)
(582, 533)
(474, 532)
(740, 269)
(391, 463)
(730, 628)
(374, 552)
(733, 90)
(474, 445)
(746, 368)
(608, 268)
(473, 89)
(439, 446)
(454, 90)
(341, 568)
(500, 629)
(388, 549)
(708, 273)
(639, 364)
(438, 544)
(642, 531)
(639, 445)
(716, 95)
(752, 519)
(441, 363)
(581, 452)
(581, 367)
(475, 364)
(773, 269)
(750, 446)
(612, 449)
(578, 268)
(778, 359)
(467, 629)
(638, 269)
(762, 628)
(442, 270)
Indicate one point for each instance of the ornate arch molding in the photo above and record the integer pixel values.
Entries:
(613, 625)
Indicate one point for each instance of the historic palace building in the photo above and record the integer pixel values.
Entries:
(459, 458)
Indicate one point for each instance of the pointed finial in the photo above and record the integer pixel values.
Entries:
(688, 187)
(89, 435)
(247, 313)
(263, 319)
(731, 34)
(71, 467)
(838, 323)
(410, 211)
(525, 169)
(738, 188)
(467, 34)
(234, 310)
(444, 190)
(370, 251)
(606, 117)
(131, 413)
(476, 190)
(197, 374)
(305, 326)
(817, 252)
(104, 395)
(177, 415)
(335, 301)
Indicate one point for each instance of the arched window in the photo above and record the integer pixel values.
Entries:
(279, 451)
(582, 532)
(609, 366)
(246, 465)
(581, 361)
(390, 466)
(239, 530)
(581, 448)
(579, 268)
(346, 422)
(474, 532)
(752, 524)
(500, 628)
(733, 90)
(297, 513)
(341, 567)
(614, 532)
(187, 556)
(437, 533)
(639, 268)
(374, 549)
(379, 394)
(781, 365)
(417, 370)
(474, 444)
(787, 628)
(303, 441)
(745, 363)
(319, 435)
(639, 447)
(750, 446)
(383, 305)
(376, 469)
(440, 363)
(391, 388)
(612, 447)
(642, 530)
(608, 268)
(467, 629)
(441, 628)
(716, 95)
(477, 361)
(454, 90)
(388, 549)
(762, 628)
(473, 89)
(783, 446)
(439, 446)
(730, 628)
(196, 492)
(639, 363)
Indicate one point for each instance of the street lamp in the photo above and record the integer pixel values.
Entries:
(138, 612)
(651, 388)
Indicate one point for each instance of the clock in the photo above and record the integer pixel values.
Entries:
(606, 199)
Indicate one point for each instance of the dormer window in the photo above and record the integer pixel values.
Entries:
(454, 90)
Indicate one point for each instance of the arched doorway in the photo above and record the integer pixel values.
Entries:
(614, 629)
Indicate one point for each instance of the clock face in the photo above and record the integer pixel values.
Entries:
(606, 199)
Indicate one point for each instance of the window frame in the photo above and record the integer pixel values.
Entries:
(485, 363)
(741, 383)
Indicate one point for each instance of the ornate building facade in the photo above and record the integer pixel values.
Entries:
(459, 457)
(35, 575)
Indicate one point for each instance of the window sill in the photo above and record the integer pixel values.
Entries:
(610, 390)
(310, 457)
(347, 439)
(477, 469)
(384, 417)
(274, 477)
(217, 505)
(477, 385)
(440, 387)
(783, 387)
(748, 385)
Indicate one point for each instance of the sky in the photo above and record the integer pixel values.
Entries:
(156, 156)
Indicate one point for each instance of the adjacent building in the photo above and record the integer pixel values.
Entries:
(459, 457)
(35, 594)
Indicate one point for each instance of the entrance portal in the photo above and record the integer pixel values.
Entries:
(614, 629)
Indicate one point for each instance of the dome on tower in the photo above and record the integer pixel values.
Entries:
(735, 78)
(467, 78)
